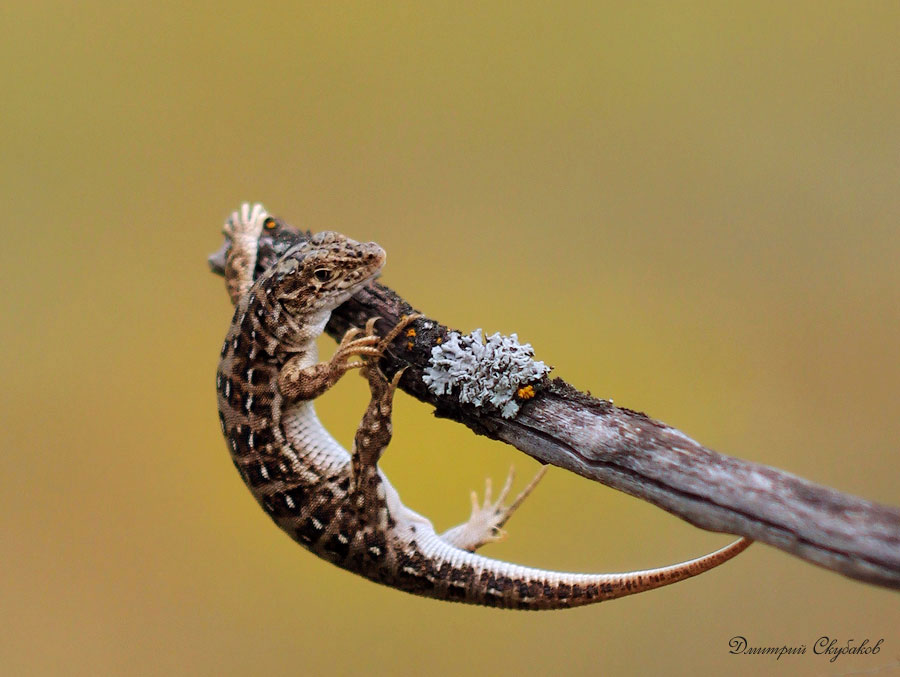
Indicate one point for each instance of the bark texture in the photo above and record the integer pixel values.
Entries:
(632, 452)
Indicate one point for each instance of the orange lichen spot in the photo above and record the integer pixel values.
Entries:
(439, 340)
(525, 393)
(409, 345)
(410, 332)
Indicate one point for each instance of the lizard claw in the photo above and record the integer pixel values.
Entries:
(402, 324)
(370, 325)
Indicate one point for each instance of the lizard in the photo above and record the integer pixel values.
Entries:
(339, 504)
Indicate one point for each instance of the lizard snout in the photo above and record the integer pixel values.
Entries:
(373, 254)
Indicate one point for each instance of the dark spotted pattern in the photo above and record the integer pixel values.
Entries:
(338, 509)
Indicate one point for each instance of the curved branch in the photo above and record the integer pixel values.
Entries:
(632, 452)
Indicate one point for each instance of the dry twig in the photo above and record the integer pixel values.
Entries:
(633, 453)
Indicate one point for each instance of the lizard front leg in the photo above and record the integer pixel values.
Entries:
(298, 382)
(485, 525)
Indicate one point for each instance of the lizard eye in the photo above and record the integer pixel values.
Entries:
(270, 224)
(322, 274)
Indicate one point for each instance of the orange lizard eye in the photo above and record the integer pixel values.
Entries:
(270, 224)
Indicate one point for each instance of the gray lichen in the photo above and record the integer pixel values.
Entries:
(484, 373)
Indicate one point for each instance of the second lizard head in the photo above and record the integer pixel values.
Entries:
(274, 241)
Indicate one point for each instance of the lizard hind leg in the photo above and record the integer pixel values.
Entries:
(372, 437)
(243, 230)
(485, 525)
(375, 430)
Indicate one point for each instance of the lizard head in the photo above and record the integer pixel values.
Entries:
(274, 240)
(319, 274)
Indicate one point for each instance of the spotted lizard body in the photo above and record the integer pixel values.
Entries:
(338, 504)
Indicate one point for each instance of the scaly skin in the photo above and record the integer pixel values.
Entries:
(337, 504)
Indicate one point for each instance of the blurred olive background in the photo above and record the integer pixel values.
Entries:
(691, 209)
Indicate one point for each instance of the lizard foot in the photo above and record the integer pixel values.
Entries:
(381, 389)
(370, 345)
(350, 345)
(486, 523)
(247, 222)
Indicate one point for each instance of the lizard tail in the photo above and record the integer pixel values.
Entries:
(452, 574)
